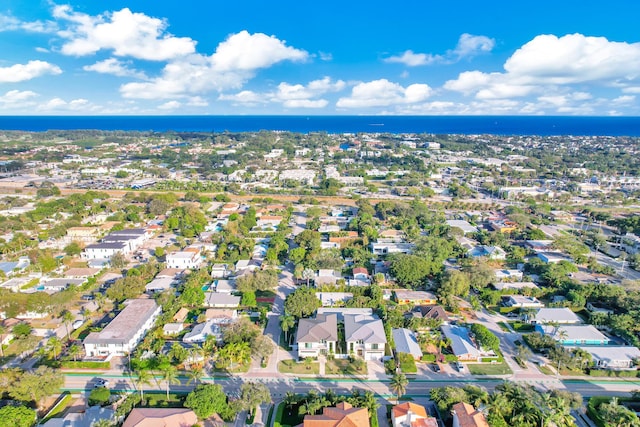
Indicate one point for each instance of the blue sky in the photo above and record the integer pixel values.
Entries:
(419, 57)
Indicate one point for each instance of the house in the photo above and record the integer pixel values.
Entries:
(104, 250)
(383, 247)
(57, 285)
(10, 267)
(553, 257)
(465, 415)
(82, 234)
(317, 336)
(461, 345)
(81, 273)
(409, 414)
(181, 315)
(514, 285)
(490, 252)
(341, 311)
(503, 226)
(554, 315)
(219, 271)
(415, 297)
(612, 356)
(224, 286)
(594, 307)
(435, 312)
(574, 334)
(406, 342)
(217, 300)
(364, 336)
(462, 225)
(201, 331)
(508, 275)
(125, 331)
(184, 260)
(164, 417)
(158, 285)
(342, 415)
(326, 277)
(221, 315)
(361, 273)
(84, 418)
(522, 301)
(170, 329)
(329, 299)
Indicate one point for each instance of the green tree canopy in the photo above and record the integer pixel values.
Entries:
(209, 399)
(301, 303)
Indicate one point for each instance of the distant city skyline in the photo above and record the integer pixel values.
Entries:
(325, 58)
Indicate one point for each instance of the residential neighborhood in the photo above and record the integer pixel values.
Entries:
(268, 280)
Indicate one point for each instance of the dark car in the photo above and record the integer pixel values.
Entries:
(435, 367)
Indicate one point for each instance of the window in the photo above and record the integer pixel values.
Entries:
(307, 345)
(374, 346)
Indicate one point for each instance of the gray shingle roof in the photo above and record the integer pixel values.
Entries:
(368, 329)
(323, 327)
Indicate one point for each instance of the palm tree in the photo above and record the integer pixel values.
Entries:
(290, 399)
(142, 377)
(308, 274)
(67, 319)
(195, 375)
(170, 376)
(399, 384)
(55, 346)
(287, 322)
(3, 331)
(74, 351)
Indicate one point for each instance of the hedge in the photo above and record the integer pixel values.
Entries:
(429, 357)
(70, 364)
(608, 373)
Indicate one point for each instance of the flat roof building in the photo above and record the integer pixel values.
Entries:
(125, 331)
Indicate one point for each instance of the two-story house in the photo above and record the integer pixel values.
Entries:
(317, 336)
(364, 336)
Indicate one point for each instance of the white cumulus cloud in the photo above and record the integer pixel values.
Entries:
(115, 67)
(235, 61)
(411, 59)
(11, 23)
(30, 70)
(56, 105)
(248, 52)
(381, 93)
(124, 32)
(171, 105)
(468, 46)
(548, 63)
(17, 96)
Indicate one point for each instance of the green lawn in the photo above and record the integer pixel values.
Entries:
(159, 400)
(546, 370)
(292, 367)
(343, 367)
(60, 407)
(407, 363)
(504, 327)
(489, 368)
(522, 327)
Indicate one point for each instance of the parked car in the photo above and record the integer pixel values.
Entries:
(459, 367)
(436, 367)
(101, 382)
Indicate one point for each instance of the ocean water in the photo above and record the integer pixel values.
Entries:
(496, 125)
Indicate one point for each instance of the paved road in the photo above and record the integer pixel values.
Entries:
(417, 387)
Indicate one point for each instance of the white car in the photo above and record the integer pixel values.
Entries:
(101, 382)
